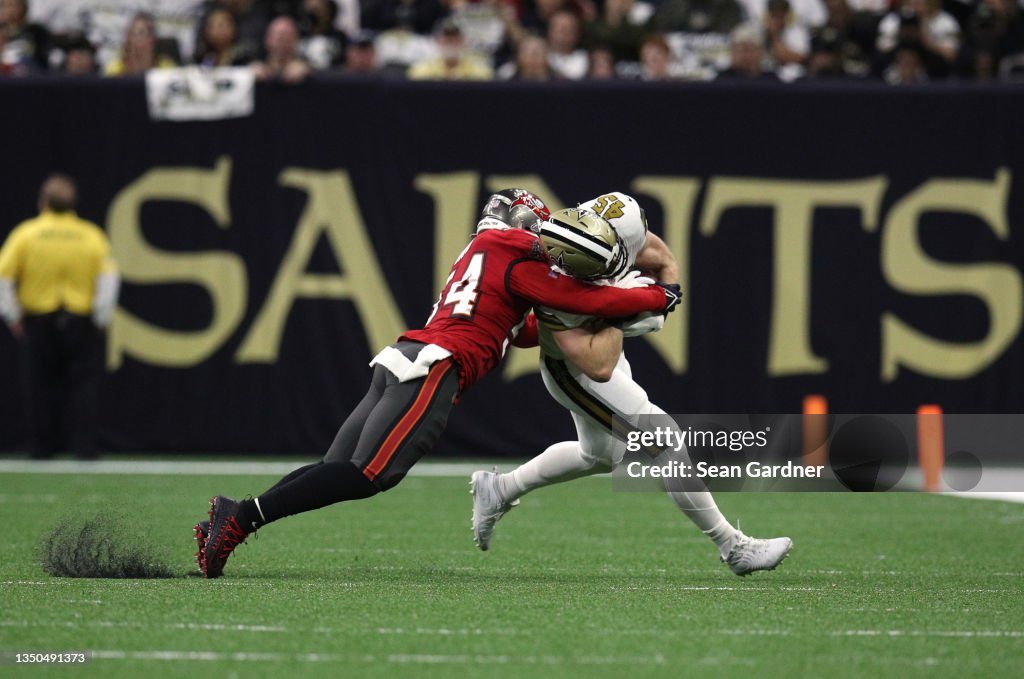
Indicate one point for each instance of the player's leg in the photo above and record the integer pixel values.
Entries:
(595, 407)
(596, 451)
(341, 449)
(405, 421)
(402, 426)
(344, 444)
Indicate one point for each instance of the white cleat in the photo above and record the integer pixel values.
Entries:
(753, 554)
(488, 506)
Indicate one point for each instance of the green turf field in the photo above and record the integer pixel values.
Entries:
(580, 581)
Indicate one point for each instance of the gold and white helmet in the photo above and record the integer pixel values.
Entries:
(582, 244)
(627, 218)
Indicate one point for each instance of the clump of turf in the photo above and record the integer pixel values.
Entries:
(99, 547)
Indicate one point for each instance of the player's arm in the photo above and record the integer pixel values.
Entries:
(10, 267)
(658, 260)
(536, 282)
(108, 284)
(594, 352)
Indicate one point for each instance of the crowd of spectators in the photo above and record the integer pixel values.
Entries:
(897, 41)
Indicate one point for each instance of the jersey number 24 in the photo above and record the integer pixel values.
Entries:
(460, 296)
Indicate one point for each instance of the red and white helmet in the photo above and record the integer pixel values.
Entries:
(513, 208)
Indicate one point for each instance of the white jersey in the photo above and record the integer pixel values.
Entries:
(630, 224)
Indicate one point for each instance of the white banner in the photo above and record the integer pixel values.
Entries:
(194, 93)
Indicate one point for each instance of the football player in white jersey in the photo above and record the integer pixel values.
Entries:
(585, 370)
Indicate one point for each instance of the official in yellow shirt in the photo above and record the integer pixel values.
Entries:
(58, 288)
(453, 62)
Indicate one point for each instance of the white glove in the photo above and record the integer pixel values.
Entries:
(633, 279)
(648, 321)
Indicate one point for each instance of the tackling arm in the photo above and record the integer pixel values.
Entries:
(594, 352)
(656, 258)
(537, 283)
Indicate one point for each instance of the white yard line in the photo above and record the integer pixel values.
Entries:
(965, 634)
(395, 658)
(107, 624)
(1004, 477)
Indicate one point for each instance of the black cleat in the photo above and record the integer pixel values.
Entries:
(224, 533)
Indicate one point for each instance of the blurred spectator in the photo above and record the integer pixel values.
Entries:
(482, 23)
(853, 32)
(907, 67)
(746, 54)
(58, 290)
(417, 16)
(697, 16)
(251, 19)
(5, 68)
(565, 55)
(875, 7)
(26, 46)
(655, 59)
(536, 15)
(827, 59)
(349, 18)
(454, 61)
(788, 41)
(217, 45)
(532, 61)
(282, 60)
(809, 13)
(79, 56)
(614, 29)
(105, 22)
(361, 55)
(403, 30)
(602, 64)
(994, 33)
(138, 53)
(322, 45)
(925, 24)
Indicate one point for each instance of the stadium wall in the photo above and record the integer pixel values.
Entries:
(860, 242)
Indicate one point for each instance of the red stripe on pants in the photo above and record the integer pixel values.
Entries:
(408, 422)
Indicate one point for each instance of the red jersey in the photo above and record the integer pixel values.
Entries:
(493, 285)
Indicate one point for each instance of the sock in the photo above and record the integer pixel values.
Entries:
(249, 516)
(295, 473)
(560, 462)
(700, 508)
(322, 485)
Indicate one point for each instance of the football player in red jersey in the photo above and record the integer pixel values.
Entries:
(484, 306)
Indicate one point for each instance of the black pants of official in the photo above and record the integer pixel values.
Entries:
(64, 361)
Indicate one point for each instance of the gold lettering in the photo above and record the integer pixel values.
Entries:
(794, 202)
(221, 274)
(332, 212)
(909, 269)
(455, 215)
